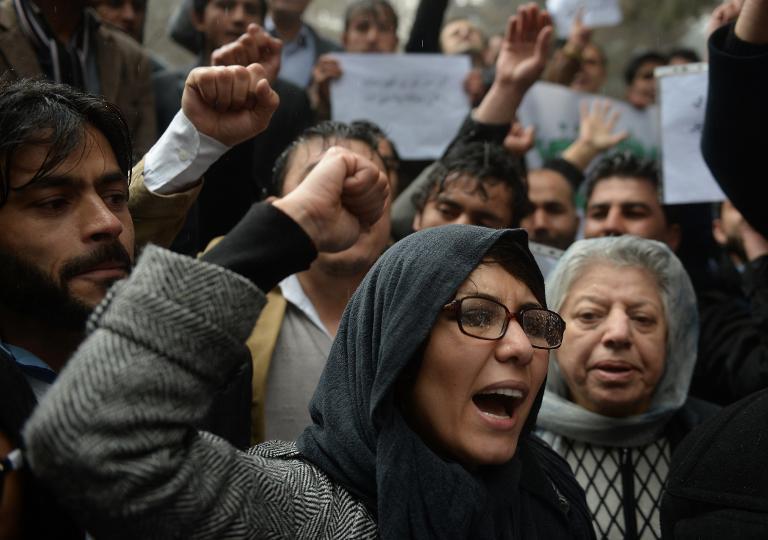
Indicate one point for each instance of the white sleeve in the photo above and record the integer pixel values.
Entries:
(180, 157)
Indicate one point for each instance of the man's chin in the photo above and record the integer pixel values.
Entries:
(90, 291)
(37, 297)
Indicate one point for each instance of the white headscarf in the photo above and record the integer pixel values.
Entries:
(562, 417)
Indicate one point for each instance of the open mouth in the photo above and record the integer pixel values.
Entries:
(498, 403)
(615, 369)
(617, 372)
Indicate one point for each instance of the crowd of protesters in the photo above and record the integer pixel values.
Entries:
(224, 315)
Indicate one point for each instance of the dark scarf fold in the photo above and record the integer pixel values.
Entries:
(359, 436)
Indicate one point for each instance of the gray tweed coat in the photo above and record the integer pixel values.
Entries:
(113, 437)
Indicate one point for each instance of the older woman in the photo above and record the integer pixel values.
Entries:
(421, 421)
(617, 400)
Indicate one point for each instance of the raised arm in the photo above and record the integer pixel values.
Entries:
(221, 107)
(734, 140)
(521, 61)
(113, 438)
(596, 133)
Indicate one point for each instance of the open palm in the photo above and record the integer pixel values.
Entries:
(523, 53)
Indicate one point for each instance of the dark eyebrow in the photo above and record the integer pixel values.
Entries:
(442, 197)
(598, 206)
(635, 204)
(56, 180)
(497, 300)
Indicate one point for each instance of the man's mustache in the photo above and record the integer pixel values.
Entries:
(113, 252)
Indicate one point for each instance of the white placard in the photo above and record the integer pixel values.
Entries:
(687, 179)
(418, 99)
(595, 13)
(553, 110)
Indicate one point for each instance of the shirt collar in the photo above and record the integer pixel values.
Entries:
(294, 293)
(23, 356)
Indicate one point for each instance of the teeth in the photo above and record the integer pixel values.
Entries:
(494, 415)
(509, 392)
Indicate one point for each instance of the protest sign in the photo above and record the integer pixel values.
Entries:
(683, 91)
(418, 99)
(553, 110)
(595, 13)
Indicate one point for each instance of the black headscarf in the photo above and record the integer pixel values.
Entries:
(359, 436)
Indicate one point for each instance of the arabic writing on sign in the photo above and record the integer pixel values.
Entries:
(423, 91)
(418, 99)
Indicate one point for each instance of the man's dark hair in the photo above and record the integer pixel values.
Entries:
(630, 72)
(36, 112)
(683, 52)
(199, 7)
(486, 163)
(625, 165)
(373, 7)
(379, 135)
(329, 133)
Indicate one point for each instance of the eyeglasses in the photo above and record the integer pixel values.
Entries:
(483, 318)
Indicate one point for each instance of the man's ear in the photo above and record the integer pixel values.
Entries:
(416, 221)
(718, 233)
(196, 20)
(674, 236)
(344, 37)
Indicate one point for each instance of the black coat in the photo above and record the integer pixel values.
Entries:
(734, 139)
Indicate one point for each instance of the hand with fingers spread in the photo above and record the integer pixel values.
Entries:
(596, 133)
(521, 61)
(230, 104)
(523, 53)
(254, 46)
(519, 139)
(598, 121)
(343, 195)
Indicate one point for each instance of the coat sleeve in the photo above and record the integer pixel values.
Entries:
(157, 218)
(113, 437)
(425, 32)
(734, 139)
(114, 440)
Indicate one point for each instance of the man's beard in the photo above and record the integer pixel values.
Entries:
(30, 293)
